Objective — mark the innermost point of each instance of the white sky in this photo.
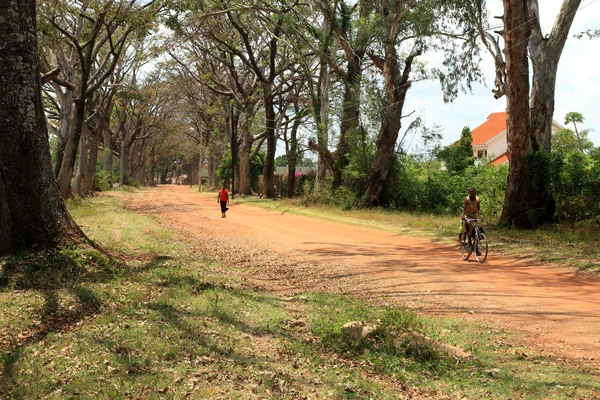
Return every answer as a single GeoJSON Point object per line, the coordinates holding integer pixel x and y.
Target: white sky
{"type": "Point", "coordinates": [577, 84]}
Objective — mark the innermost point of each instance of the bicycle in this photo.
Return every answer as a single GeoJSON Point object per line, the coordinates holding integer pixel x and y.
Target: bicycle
{"type": "Point", "coordinates": [476, 242]}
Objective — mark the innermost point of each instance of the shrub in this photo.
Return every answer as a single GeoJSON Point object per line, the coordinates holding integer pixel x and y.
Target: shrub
{"type": "Point", "coordinates": [102, 181]}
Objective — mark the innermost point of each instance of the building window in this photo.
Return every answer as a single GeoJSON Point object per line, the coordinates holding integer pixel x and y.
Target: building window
{"type": "Point", "coordinates": [481, 153]}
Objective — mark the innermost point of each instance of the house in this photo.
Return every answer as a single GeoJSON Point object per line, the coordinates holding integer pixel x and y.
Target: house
{"type": "Point", "coordinates": [489, 138]}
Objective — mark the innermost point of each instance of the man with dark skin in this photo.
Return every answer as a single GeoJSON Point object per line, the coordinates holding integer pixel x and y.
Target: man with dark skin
{"type": "Point", "coordinates": [223, 198]}
{"type": "Point", "coordinates": [471, 209]}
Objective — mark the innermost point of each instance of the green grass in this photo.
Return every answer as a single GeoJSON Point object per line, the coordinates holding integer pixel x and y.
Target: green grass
{"type": "Point", "coordinates": [575, 246]}
{"type": "Point", "coordinates": [162, 322]}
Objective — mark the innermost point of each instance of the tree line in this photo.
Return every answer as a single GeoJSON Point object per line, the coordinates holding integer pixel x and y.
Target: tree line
{"type": "Point", "coordinates": [132, 91]}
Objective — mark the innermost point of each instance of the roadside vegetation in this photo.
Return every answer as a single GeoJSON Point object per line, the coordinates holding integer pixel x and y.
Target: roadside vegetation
{"type": "Point", "coordinates": [574, 245]}
{"type": "Point", "coordinates": [157, 319]}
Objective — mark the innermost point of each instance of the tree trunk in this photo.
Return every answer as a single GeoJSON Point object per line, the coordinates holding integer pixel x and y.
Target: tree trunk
{"type": "Point", "coordinates": [66, 119]}
{"type": "Point", "coordinates": [246, 148]}
{"type": "Point", "coordinates": [108, 144]}
{"type": "Point", "coordinates": [528, 201]}
{"type": "Point", "coordinates": [32, 214]}
{"type": "Point", "coordinates": [396, 87]}
{"type": "Point", "coordinates": [519, 192]}
{"type": "Point", "coordinates": [323, 122]}
{"type": "Point", "coordinates": [72, 146]}
{"type": "Point", "coordinates": [268, 169]}
{"type": "Point", "coordinates": [152, 169]}
{"type": "Point", "coordinates": [91, 171]}
{"type": "Point", "coordinates": [124, 161]}
{"type": "Point", "coordinates": [292, 155]}
{"type": "Point", "coordinates": [200, 163]}
{"type": "Point", "coordinates": [82, 165]}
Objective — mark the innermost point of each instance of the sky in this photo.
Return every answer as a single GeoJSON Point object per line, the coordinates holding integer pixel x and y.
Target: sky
{"type": "Point", "coordinates": [577, 83]}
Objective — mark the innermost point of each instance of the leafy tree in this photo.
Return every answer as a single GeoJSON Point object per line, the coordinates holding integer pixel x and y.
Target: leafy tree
{"type": "Point", "coordinates": [527, 76]}
{"type": "Point", "coordinates": [566, 143]}
{"type": "Point", "coordinates": [281, 161]}
{"type": "Point", "coordinates": [458, 156]}
{"type": "Point", "coordinates": [256, 165]}
{"type": "Point", "coordinates": [576, 118]}
{"type": "Point", "coordinates": [32, 214]}
{"type": "Point", "coordinates": [404, 31]}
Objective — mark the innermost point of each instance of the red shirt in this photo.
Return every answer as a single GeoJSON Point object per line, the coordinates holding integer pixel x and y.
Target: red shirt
{"type": "Point", "coordinates": [223, 195]}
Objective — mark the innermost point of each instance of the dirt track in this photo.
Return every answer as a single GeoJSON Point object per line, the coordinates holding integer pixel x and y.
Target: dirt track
{"type": "Point", "coordinates": [554, 310]}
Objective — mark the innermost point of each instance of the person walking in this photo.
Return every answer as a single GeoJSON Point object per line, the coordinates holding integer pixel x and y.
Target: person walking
{"type": "Point", "coordinates": [223, 198]}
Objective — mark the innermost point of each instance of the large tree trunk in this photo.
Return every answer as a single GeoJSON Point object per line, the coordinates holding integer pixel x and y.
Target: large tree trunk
{"type": "Point", "coordinates": [66, 119]}
{"type": "Point", "coordinates": [72, 146]}
{"type": "Point", "coordinates": [152, 169]}
{"type": "Point", "coordinates": [245, 150]}
{"type": "Point", "coordinates": [108, 143]}
{"type": "Point", "coordinates": [82, 165]}
{"type": "Point", "coordinates": [32, 214]}
{"type": "Point", "coordinates": [268, 169]}
{"type": "Point", "coordinates": [323, 122]}
{"type": "Point", "coordinates": [520, 195]}
{"type": "Point", "coordinates": [293, 158]}
{"type": "Point", "coordinates": [91, 171]}
{"type": "Point", "coordinates": [528, 201]}
{"type": "Point", "coordinates": [124, 161]}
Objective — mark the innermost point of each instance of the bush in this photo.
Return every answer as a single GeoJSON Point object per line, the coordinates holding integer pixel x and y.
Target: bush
{"type": "Point", "coordinates": [102, 181]}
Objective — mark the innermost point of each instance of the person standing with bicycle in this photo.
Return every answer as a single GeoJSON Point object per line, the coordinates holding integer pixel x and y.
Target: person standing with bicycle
{"type": "Point", "coordinates": [471, 209]}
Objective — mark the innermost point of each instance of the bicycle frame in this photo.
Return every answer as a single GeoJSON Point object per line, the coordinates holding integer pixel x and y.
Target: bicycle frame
{"type": "Point", "coordinates": [476, 242]}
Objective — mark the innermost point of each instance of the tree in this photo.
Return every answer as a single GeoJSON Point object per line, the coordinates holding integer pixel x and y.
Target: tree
{"type": "Point", "coordinates": [281, 161]}
{"type": "Point", "coordinates": [458, 156]}
{"type": "Point", "coordinates": [530, 107]}
{"type": "Point", "coordinates": [32, 214]}
{"type": "Point", "coordinates": [405, 31]}
{"type": "Point", "coordinates": [97, 34]}
{"type": "Point", "coordinates": [576, 118]}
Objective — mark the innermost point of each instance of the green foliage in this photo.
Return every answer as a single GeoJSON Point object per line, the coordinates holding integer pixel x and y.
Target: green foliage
{"type": "Point", "coordinates": [458, 156]}
{"type": "Point", "coordinates": [102, 181]}
{"type": "Point", "coordinates": [281, 161]}
{"type": "Point", "coordinates": [224, 169]}
{"type": "Point", "coordinates": [575, 181]}
{"type": "Point", "coordinates": [256, 165]}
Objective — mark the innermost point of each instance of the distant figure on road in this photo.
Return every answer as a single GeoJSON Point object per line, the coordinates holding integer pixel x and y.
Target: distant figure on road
{"type": "Point", "coordinates": [223, 198]}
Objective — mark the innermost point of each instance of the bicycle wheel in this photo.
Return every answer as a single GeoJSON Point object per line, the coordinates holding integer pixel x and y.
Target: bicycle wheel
{"type": "Point", "coordinates": [482, 248]}
{"type": "Point", "coordinates": [465, 249]}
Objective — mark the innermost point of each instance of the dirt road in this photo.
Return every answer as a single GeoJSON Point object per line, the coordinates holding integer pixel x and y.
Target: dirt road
{"type": "Point", "coordinates": [553, 310]}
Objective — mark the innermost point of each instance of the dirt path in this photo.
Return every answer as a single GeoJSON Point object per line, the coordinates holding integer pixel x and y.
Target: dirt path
{"type": "Point", "coordinates": [554, 310]}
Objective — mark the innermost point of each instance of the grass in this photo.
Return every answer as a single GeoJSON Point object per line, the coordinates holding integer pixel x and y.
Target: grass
{"type": "Point", "coordinates": [162, 322]}
{"type": "Point", "coordinates": [574, 246]}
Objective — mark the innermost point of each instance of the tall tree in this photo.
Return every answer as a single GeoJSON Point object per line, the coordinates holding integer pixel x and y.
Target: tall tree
{"type": "Point", "coordinates": [99, 38]}
{"type": "Point", "coordinates": [458, 156]}
{"type": "Point", "coordinates": [418, 26]}
{"type": "Point", "coordinates": [32, 214]}
{"type": "Point", "coordinates": [575, 118]}
{"type": "Point", "coordinates": [530, 56]}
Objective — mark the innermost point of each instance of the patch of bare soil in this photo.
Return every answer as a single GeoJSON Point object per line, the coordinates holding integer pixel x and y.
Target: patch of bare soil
{"type": "Point", "coordinates": [554, 311]}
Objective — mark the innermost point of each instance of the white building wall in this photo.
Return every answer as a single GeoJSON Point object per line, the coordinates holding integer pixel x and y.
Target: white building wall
{"type": "Point", "coordinates": [497, 145]}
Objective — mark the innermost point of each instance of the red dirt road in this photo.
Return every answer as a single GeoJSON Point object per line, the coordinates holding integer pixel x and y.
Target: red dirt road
{"type": "Point", "coordinates": [554, 310]}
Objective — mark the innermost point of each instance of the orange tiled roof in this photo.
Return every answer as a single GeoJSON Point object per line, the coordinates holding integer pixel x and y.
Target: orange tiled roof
{"type": "Point", "coordinates": [501, 159]}
{"type": "Point", "coordinates": [495, 124]}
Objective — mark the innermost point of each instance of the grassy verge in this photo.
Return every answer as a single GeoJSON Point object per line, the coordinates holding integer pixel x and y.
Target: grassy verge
{"type": "Point", "coordinates": [574, 246]}
{"type": "Point", "coordinates": [161, 322]}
